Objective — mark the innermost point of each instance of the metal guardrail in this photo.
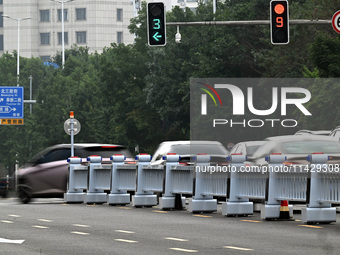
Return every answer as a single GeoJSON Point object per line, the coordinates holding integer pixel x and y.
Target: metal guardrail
{"type": "Point", "coordinates": [127, 175]}
{"type": "Point", "coordinates": [178, 181]}
{"type": "Point", "coordinates": [183, 179]}
{"type": "Point", "coordinates": [252, 185]}
{"type": "Point", "coordinates": [242, 186]}
{"type": "Point", "coordinates": [80, 177]}
{"type": "Point", "coordinates": [154, 177]}
{"type": "Point", "coordinates": [292, 185]}
{"type": "Point", "coordinates": [123, 178]}
{"type": "Point", "coordinates": [146, 175]}
{"type": "Point", "coordinates": [99, 180]}
{"type": "Point", "coordinates": [77, 181]}
{"type": "Point", "coordinates": [103, 177]}
{"type": "Point", "coordinates": [216, 184]}
{"type": "Point", "coordinates": [321, 190]}
{"type": "Point", "coordinates": [317, 184]}
{"type": "Point", "coordinates": [203, 200]}
{"type": "Point", "coordinates": [330, 181]}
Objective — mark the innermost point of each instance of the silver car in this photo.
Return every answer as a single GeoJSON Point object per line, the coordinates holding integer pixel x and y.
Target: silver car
{"type": "Point", "coordinates": [188, 149]}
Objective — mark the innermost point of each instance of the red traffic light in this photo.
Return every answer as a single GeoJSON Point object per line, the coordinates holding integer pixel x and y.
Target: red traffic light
{"type": "Point", "coordinates": [279, 8]}
{"type": "Point", "coordinates": [279, 21]}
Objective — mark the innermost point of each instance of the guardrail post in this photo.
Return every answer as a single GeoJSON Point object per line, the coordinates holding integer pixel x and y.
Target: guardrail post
{"type": "Point", "coordinates": [77, 181]}
{"type": "Point", "coordinates": [202, 202]}
{"type": "Point", "coordinates": [117, 196]}
{"type": "Point", "coordinates": [142, 197]}
{"type": "Point", "coordinates": [99, 180]}
{"type": "Point", "coordinates": [167, 201]}
{"type": "Point", "coordinates": [317, 210]}
{"type": "Point", "coordinates": [271, 209]}
{"type": "Point", "coordinates": [236, 205]}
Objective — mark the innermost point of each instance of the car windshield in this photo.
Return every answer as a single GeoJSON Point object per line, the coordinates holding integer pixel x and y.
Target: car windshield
{"type": "Point", "coordinates": [103, 151]}
{"type": "Point", "coordinates": [193, 149]}
{"type": "Point", "coordinates": [37, 157]}
{"type": "Point", "coordinates": [252, 149]}
{"type": "Point", "coordinates": [306, 147]}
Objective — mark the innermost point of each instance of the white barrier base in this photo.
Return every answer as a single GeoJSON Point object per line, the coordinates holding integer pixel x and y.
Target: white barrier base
{"type": "Point", "coordinates": [237, 208]}
{"type": "Point", "coordinates": [118, 199]}
{"type": "Point", "coordinates": [169, 202]}
{"type": "Point", "coordinates": [74, 197]}
{"type": "Point", "coordinates": [313, 215]}
{"type": "Point", "coordinates": [202, 205]}
{"type": "Point", "coordinates": [257, 207]}
{"type": "Point", "coordinates": [144, 200]}
{"type": "Point", "coordinates": [96, 198]}
{"type": "Point", "coordinates": [272, 212]}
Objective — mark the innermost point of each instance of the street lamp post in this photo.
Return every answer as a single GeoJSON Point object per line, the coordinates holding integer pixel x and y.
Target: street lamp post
{"type": "Point", "coordinates": [18, 53]}
{"type": "Point", "coordinates": [62, 28]}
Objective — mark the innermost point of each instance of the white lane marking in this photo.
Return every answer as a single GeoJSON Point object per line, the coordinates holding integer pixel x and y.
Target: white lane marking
{"type": "Point", "coordinates": [237, 248]}
{"type": "Point", "coordinates": [44, 220]}
{"type": "Point", "coordinates": [7, 221]}
{"type": "Point", "coordinates": [81, 226]}
{"type": "Point", "coordinates": [14, 215]}
{"type": "Point", "coordinates": [184, 250]}
{"type": "Point", "coordinates": [176, 239]}
{"type": "Point", "coordinates": [126, 241]}
{"type": "Point", "coordinates": [41, 227]}
{"type": "Point", "coordinates": [125, 231]}
{"type": "Point", "coordinates": [79, 233]}
{"type": "Point", "coordinates": [3, 240]}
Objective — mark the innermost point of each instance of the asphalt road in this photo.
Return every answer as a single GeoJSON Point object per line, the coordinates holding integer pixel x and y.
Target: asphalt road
{"type": "Point", "coordinates": [48, 226]}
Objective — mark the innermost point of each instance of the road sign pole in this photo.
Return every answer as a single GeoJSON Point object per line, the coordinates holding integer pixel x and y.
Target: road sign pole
{"type": "Point", "coordinates": [31, 78]}
{"type": "Point", "coordinates": [72, 127]}
{"type": "Point", "coordinates": [72, 135]}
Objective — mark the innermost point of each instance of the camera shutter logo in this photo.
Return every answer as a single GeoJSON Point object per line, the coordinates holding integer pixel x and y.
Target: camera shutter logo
{"type": "Point", "coordinates": [204, 97]}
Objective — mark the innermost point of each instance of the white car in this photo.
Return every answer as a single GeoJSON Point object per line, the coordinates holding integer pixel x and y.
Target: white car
{"type": "Point", "coordinates": [188, 149]}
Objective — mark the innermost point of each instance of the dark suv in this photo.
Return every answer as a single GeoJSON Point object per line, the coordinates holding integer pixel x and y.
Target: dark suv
{"type": "Point", "coordinates": [45, 175]}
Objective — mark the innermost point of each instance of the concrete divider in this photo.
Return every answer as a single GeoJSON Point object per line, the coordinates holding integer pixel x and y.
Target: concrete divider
{"type": "Point", "coordinates": [275, 192]}
{"type": "Point", "coordinates": [323, 189]}
{"type": "Point", "coordinates": [242, 186]}
{"type": "Point", "coordinates": [99, 180]}
{"type": "Point", "coordinates": [123, 180]}
{"type": "Point", "coordinates": [203, 200]}
{"type": "Point", "coordinates": [77, 181]}
{"type": "Point", "coordinates": [149, 179]}
{"type": "Point", "coordinates": [178, 180]}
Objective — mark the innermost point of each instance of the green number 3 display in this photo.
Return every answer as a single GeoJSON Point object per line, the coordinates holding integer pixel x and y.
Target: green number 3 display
{"type": "Point", "coordinates": [157, 24]}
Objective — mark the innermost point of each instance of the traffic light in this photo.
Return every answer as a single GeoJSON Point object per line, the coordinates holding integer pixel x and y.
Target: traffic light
{"type": "Point", "coordinates": [279, 22]}
{"type": "Point", "coordinates": [156, 24]}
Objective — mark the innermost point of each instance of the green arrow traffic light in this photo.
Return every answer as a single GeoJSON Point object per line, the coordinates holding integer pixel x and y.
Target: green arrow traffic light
{"type": "Point", "coordinates": [156, 24]}
{"type": "Point", "coordinates": [157, 37]}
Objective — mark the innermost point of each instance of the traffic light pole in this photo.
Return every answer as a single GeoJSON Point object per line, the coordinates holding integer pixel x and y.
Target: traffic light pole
{"type": "Point", "coordinates": [247, 22]}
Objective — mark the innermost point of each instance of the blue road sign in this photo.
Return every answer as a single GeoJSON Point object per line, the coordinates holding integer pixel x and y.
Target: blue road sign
{"type": "Point", "coordinates": [11, 102]}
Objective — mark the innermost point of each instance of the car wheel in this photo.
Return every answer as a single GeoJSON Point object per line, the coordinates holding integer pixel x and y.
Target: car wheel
{"type": "Point", "coordinates": [24, 193]}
